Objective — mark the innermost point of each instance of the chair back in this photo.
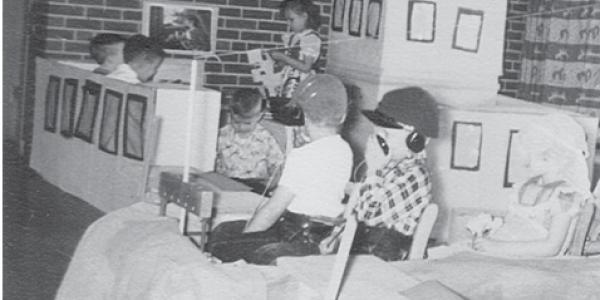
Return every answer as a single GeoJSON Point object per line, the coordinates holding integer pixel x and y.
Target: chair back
{"type": "Point", "coordinates": [422, 232]}
{"type": "Point", "coordinates": [581, 226]}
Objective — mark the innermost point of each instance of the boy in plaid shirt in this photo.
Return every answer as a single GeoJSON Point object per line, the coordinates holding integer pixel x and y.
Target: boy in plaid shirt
{"type": "Point", "coordinates": [397, 186]}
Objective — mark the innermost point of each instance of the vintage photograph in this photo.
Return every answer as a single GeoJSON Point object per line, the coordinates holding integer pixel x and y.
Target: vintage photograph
{"type": "Point", "coordinates": [301, 149]}
{"type": "Point", "coordinates": [180, 28]}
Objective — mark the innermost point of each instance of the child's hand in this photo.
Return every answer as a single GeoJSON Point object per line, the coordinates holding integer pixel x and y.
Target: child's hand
{"type": "Point", "coordinates": [482, 244]}
{"type": "Point", "coordinates": [278, 56]}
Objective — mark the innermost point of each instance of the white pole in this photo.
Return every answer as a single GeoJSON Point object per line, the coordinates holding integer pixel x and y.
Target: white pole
{"type": "Point", "coordinates": [190, 116]}
{"type": "Point", "coordinates": [188, 137]}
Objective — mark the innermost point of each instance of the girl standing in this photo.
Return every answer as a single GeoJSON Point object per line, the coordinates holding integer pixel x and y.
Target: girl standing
{"type": "Point", "coordinates": [303, 48]}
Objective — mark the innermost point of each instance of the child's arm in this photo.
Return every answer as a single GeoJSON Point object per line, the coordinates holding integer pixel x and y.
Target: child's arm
{"type": "Point", "coordinates": [550, 246]}
{"type": "Point", "coordinates": [302, 65]}
{"type": "Point", "coordinates": [267, 214]}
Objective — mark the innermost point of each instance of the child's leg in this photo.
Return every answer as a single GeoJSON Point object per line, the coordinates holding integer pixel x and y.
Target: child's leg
{"type": "Point", "coordinates": [228, 242]}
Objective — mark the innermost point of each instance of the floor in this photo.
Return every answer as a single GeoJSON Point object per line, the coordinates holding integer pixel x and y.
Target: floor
{"type": "Point", "coordinates": [42, 226]}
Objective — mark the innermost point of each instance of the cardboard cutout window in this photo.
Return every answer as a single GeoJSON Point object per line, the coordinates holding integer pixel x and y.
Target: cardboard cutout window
{"type": "Point", "coordinates": [133, 138]}
{"type": "Point", "coordinates": [339, 8]}
{"type": "Point", "coordinates": [466, 146]}
{"type": "Point", "coordinates": [109, 126]}
{"type": "Point", "coordinates": [421, 21]}
{"type": "Point", "coordinates": [52, 91]}
{"type": "Point", "coordinates": [509, 169]}
{"type": "Point", "coordinates": [68, 106]}
{"type": "Point", "coordinates": [355, 20]}
{"type": "Point", "coordinates": [467, 31]}
{"type": "Point", "coordinates": [87, 113]}
{"type": "Point", "coordinates": [374, 18]}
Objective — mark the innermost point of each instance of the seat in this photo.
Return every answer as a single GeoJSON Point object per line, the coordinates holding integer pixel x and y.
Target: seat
{"type": "Point", "coordinates": [582, 229]}
{"type": "Point", "coordinates": [423, 232]}
{"type": "Point", "coordinates": [194, 198]}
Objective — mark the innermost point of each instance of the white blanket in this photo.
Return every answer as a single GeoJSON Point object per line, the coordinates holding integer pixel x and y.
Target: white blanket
{"type": "Point", "coordinates": [483, 277]}
{"type": "Point", "coordinates": [133, 254]}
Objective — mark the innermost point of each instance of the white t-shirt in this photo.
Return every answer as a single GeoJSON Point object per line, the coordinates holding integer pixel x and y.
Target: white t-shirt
{"type": "Point", "coordinates": [317, 173]}
{"type": "Point", "coordinates": [126, 73]}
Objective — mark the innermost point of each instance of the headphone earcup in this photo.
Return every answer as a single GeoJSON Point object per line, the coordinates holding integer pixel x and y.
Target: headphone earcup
{"type": "Point", "coordinates": [415, 142]}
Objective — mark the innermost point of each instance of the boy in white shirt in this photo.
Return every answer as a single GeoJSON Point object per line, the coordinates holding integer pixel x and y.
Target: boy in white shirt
{"type": "Point", "coordinates": [310, 192]}
{"type": "Point", "coordinates": [143, 56]}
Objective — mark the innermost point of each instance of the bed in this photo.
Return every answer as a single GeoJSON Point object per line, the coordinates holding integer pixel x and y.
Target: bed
{"type": "Point", "coordinates": [132, 253]}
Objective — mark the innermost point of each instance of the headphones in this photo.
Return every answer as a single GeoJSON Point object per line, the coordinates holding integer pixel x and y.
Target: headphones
{"type": "Point", "coordinates": [415, 142]}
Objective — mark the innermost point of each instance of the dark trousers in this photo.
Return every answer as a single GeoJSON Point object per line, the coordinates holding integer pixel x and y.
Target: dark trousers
{"type": "Point", "coordinates": [292, 235]}
{"type": "Point", "coordinates": [385, 243]}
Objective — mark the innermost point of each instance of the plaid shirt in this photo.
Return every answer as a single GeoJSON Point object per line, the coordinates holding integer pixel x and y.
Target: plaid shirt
{"type": "Point", "coordinates": [395, 196]}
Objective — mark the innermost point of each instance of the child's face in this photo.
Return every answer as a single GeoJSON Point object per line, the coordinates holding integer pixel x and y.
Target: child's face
{"type": "Point", "coordinates": [296, 20]}
{"type": "Point", "coordinates": [244, 125]}
{"type": "Point", "coordinates": [146, 71]}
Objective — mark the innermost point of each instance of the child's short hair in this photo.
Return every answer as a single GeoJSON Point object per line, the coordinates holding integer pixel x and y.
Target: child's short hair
{"type": "Point", "coordinates": [244, 101]}
{"type": "Point", "coordinates": [99, 49]}
{"type": "Point", "coordinates": [142, 47]}
{"type": "Point", "coordinates": [304, 6]}
{"type": "Point", "coordinates": [323, 99]}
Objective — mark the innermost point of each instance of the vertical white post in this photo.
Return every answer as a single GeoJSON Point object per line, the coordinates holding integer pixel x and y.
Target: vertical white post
{"type": "Point", "coordinates": [343, 254]}
{"type": "Point", "coordinates": [188, 137]}
{"type": "Point", "coordinates": [190, 115]}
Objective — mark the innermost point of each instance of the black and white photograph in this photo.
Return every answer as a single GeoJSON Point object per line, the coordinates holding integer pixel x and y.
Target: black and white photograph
{"type": "Point", "coordinates": [301, 149]}
{"type": "Point", "coordinates": [181, 27]}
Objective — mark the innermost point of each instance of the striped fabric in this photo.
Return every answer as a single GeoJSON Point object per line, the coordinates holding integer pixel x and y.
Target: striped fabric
{"type": "Point", "coordinates": [561, 53]}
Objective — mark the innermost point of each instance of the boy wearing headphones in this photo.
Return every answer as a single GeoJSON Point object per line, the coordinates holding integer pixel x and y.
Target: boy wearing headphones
{"type": "Point", "coordinates": [245, 149]}
{"type": "Point", "coordinates": [309, 195]}
{"type": "Point", "coordinates": [397, 186]}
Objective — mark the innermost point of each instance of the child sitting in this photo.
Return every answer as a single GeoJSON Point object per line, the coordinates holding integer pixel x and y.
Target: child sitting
{"type": "Point", "coordinates": [245, 149]}
{"type": "Point", "coordinates": [107, 50]}
{"type": "Point", "coordinates": [290, 223]}
{"type": "Point", "coordinates": [540, 217]}
{"type": "Point", "coordinates": [143, 56]}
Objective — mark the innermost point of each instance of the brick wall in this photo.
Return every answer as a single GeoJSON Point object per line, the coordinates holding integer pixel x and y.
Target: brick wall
{"type": "Point", "coordinates": [64, 28]}
{"type": "Point", "coordinates": [513, 44]}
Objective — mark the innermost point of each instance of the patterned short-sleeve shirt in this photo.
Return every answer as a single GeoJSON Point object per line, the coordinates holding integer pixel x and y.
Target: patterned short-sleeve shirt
{"type": "Point", "coordinates": [255, 156]}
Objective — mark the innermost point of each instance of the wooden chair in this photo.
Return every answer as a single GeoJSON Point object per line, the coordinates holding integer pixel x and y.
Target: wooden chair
{"type": "Point", "coordinates": [581, 238]}
{"type": "Point", "coordinates": [423, 232]}
{"type": "Point", "coordinates": [192, 197]}
{"type": "Point", "coordinates": [417, 250]}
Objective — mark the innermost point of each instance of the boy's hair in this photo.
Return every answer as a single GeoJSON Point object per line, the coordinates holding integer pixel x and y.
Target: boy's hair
{"type": "Point", "coordinates": [304, 6]}
{"type": "Point", "coordinates": [323, 99]}
{"type": "Point", "coordinates": [98, 45]}
{"type": "Point", "coordinates": [142, 47]}
{"type": "Point", "coordinates": [246, 100]}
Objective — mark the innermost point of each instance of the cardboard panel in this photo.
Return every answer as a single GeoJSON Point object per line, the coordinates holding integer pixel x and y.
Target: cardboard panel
{"type": "Point", "coordinates": [107, 168]}
{"type": "Point", "coordinates": [105, 180]}
{"type": "Point", "coordinates": [485, 187]}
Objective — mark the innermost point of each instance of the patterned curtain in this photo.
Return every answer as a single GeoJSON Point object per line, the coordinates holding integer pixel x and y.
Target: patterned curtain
{"type": "Point", "coordinates": [561, 53]}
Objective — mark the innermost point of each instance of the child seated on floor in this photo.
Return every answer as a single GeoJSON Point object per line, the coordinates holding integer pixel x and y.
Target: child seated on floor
{"type": "Point", "coordinates": [107, 50]}
{"type": "Point", "coordinates": [541, 215]}
{"type": "Point", "coordinates": [142, 56]}
{"type": "Point", "coordinates": [245, 149]}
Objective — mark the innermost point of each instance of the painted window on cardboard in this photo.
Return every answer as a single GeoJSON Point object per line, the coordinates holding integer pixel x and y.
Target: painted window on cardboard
{"type": "Point", "coordinates": [109, 126]}
{"type": "Point", "coordinates": [135, 117]}
{"type": "Point", "coordinates": [68, 107]}
{"type": "Point", "coordinates": [51, 108]}
{"type": "Point", "coordinates": [374, 18]}
{"type": "Point", "coordinates": [88, 110]}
